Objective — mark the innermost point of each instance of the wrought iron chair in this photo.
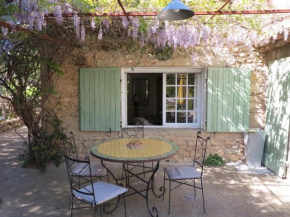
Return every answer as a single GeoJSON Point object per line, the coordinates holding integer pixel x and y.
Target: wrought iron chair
{"type": "Point", "coordinates": [92, 193]}
{"type": "Point", "coordinates": [70, 149]}
{"type": "Point", "coordinates": [183, 174]}
{"type": "Point", "coordinates": [135, 132]}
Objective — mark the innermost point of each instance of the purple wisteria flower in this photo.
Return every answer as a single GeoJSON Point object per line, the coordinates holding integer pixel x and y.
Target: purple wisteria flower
{"type": "Point", "coordinates": [4, 31]}
{"type": "Point", "coordinates": [40, 21]}
{"type": "Point", "coordinates": [286, 34]}
{"type": "Point", "coordinates": [193, 58]}
{"type": "Point", "coordinates": [93, 23]}
{"type": "Point", "coordinates": [135, 25]}
{"type": "Point", "coordinates": [106, 22]}
{"type": "Point", "coordinates": [58, 14]}
{"type": "Point", "coordinates": [77, 25]}
{"type": "Point", "coordinates": [125, 22]}
{"type": "Point", "coordinates": [100, 35]}
{"type": "Point", "coordinates": [83, 33]}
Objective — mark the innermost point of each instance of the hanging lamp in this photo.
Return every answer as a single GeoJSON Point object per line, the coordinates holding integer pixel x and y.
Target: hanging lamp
{"type": "Point", "coordinates": [175, 10]}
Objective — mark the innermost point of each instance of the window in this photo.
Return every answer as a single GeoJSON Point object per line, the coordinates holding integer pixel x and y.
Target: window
{"type": "Point", "coordinates": [173, 97]}
{"type": "Point", "coordinates": [181, 98]}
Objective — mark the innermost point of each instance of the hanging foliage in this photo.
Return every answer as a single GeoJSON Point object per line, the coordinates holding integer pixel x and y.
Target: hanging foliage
{"type": "Point", "coordinates": [221, 30]}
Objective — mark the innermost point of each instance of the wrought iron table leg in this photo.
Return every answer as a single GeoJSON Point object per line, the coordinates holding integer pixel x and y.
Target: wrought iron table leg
{"type": "Point", "coordinates": [154, 212]}
{"type": "Point", "coordinates": [162, 188]}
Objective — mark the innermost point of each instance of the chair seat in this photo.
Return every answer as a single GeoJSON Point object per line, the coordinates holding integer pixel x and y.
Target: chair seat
{"type": "Point", "coordinates": [83, 170]}
{"type": "Point", "coordinates": [103, 192]}
{"type": "Point", "coordinates": [182, 172]}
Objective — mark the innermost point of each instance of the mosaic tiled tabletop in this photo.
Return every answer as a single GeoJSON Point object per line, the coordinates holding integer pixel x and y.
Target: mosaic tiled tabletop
{"type": "Point", "coordinates": [128, 150]}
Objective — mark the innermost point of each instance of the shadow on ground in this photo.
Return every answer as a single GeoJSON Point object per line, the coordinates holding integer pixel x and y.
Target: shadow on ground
{"type": "Point", "coordinates": [27, 192]}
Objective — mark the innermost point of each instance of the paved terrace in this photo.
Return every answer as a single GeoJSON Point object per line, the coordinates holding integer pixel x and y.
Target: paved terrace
{"type": "Point", "coordinates": [29, 193]}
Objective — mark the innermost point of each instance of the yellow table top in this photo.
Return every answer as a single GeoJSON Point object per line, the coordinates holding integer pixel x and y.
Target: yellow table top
{"type": "Point", "coordinates": [129, 150]}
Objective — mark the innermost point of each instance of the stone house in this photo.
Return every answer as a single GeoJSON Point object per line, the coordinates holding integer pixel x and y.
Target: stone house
{"type": "Point", "coordinates": [222, 93]}
{"type": "Point", "coordinates": [277, 124]}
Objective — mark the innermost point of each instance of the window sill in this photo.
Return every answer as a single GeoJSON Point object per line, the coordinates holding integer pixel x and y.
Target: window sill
{"type": "Point", "coordinates": [166, 127]}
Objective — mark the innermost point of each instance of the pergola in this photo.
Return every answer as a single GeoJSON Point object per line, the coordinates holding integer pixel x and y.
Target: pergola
{"type": "Point", "coordinates": [128, 14]}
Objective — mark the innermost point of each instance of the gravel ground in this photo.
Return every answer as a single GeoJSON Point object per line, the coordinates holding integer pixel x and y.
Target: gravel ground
{"type": "Point", "coordinates": [27, 192]}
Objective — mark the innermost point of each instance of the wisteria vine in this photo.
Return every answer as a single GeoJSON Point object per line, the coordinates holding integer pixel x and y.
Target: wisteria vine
{"type": "Point", "coordinates": [182, 34]}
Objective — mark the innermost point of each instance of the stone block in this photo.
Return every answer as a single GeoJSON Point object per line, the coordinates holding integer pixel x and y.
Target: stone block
{"type": "Point", "coordinates": [88, 143]}
{"type": "Point", "coordinates": [231, 151]}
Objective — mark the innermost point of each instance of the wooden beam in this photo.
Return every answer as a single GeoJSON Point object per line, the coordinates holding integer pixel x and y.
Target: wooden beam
{"type": "Point", "coordinates": [123, 9]}
{"type": "Point", "coordinates": [18, 28]}
{"type": "Point", "coordinates": [218, 10]}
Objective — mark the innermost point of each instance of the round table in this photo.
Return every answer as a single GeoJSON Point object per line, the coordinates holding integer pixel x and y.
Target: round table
{"type": "Point", "coordinates": [136, 150]}
{"type": "Point", "coordinates": [130, 150]}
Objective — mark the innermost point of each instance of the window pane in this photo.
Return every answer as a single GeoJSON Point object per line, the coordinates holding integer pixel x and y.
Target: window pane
{"type": "Point", "coordinates": [192, 117]}
{"type": "Point", "coordinates": [170, 104]}
{"type": "Point", "coordinates": [181, 92]}
{"type": "Point", "coordinates": [191, 92]}
{"type": "Point", "coordinates": [170, 117]}
{"type": "Point", "coordinates": [181, 104]}
{"type": "Point", "coordinates": [170, 91]}
{"type": "Point", "coordinates": [181, 79]}
{"type": "Point", "coordinates": [181, 117]}
{"type": "Point", "coordinates": [170, 79]}
{"type": "Point", "coordinates": [192, 79]}
{"type": "Point", "coordinates": [192, 104]}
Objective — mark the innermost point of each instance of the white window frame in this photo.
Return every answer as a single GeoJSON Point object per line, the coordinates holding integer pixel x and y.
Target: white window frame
{"type": "Point", "coordinates": [165, 70]}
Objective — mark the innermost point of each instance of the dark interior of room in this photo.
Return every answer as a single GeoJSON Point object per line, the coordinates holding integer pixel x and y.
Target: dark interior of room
{"type": "Point", "coordinates": [144, 98]}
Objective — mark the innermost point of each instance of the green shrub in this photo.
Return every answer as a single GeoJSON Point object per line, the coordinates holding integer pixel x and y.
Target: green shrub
{"type": "Point", "coordinates": [214, 160]}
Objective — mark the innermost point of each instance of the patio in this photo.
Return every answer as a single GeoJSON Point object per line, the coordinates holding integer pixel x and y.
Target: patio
{"type": "Point", "coordinates": [27, 192]}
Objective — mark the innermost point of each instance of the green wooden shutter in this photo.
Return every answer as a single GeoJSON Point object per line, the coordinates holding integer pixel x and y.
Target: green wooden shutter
{"type": "Point", "coordinates": [278, 116]}
{"type": "Point", "coordinates": [100, 99]}
{"type": "Point", "coordinates": [228, 99]}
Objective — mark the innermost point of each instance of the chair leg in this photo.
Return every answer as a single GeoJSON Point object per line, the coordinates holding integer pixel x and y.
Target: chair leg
{"type": "Point", "coordinates": [101, 213]}
{"type": "Point", "coordinates": [123, 171]}
{"type": "Point", "coordinates": [164, 184]}
{"type": "Point", "coordinates": [108, 177]}
{"type": "Point", "coordinates": [144, 169]}
{"type": "Point", "coordinates": [194, 188]}
{"type": "Point", "coordinates": [201, 180]}
{"type": "Point", "coordinates": [169, 197]}
{"type": "Point", "coordinates": [72, 206]}
{"type": "Point", "coordinates": [125, 205]}
{"type": "Point", "coordinates": [96, 211]}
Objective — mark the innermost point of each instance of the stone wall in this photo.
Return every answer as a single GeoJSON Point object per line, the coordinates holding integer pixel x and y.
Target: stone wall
{"type": "Point", "coordinates": [278, 53]}
{"type": "Point", "coordinates": [228, 145]}
{"type": "Point", "coordinates": [10, 124]}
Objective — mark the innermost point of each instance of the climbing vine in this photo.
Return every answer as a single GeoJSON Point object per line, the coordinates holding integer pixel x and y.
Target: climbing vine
{"type": "Point", "coordinates": [27, 66]}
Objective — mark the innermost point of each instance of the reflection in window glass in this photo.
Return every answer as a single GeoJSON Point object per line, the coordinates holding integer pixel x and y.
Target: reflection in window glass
{"type": "Point", "coordinates": [192, 104]}
{"type": "Point", "coordinates": [170, 117]}
{"type": "Point", "coordinates": [181, 98]}
{"type": "Point", "coordinates": [181, 79]}
{"type": "Point", "coordinates": [181, 104]}
{"type": "Point", "coordinates": [170, 104]}
{"type": "Point", "coordinates": [192, 92]}
{"type": "Point", "coordinates": [170, 91]}
{"type": "Point", "coordinates": [181, 117]}
{"type": "Point", "coordinates": [192, 117]}
{"type": "Point", "coordinates": [170, 79]}
{"type": "Point", "coordinates": [191, 79]}
{"type": "Point", "coordinates": [181, 90]}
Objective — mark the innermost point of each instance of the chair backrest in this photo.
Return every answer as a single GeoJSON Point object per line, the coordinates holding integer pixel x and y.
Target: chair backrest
{"type": "Point", "coordinates": [69, 146]}
{"type": "Point", "coordinates": [133, 132]}
{"type": "Point", "coordinates": [199, 157]}
{"type": "Point", "coordinates": [80, 184]}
